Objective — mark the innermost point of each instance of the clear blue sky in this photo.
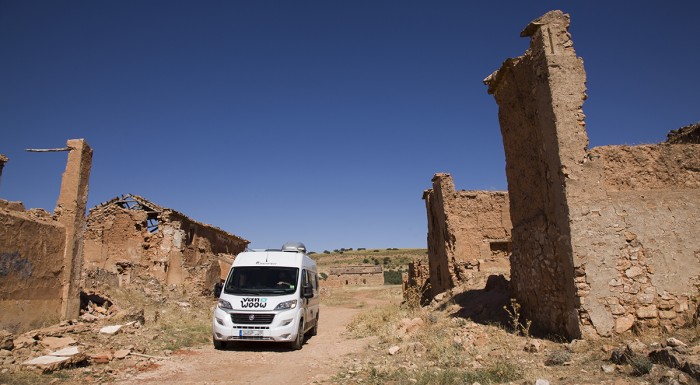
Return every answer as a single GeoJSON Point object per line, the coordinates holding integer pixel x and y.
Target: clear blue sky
{"type": "Point", "coordinates": [316, 121]}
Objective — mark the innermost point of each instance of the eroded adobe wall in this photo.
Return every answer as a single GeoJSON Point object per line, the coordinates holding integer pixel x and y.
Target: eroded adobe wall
{"type": "Point", "coordinates": [181, 251]}
{"type": "Point", "coordinates": [31, 265]}
{"type": "Point", "coordinates": [366, 279]}
{"type": "Point", "coordinates": [602, 239]}
{"type": "Point", "coordinates": [540, 95]}
{"type": "Point", "coordinates": [635, 236]}
{"type": "Point", "coordinates": [468, 231]}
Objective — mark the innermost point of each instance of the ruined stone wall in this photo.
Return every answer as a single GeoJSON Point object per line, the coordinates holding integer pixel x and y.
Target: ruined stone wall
{"type": "Point", "coordinates": [416, 282]}
{"type": "Point", "coordinates": [635, 236]}
{"type": "Point", "coordinates": [31, 264]}
{"type": "Point", "coordinates": [602, 239]}
{"type": "Point", "coordinates": [181, 251]}
{"type": "Point", "coordinates": [41, 255]}
{"type": "Point", "coordinates": [468, 231]}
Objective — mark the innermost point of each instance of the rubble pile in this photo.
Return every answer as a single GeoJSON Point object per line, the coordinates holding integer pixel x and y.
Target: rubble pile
{"type": "Point", "coordinates": [119, 332]}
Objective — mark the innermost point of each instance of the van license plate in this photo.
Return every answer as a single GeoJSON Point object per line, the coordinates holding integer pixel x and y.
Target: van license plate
{"type": "Point", "coordinates": [251, 333]}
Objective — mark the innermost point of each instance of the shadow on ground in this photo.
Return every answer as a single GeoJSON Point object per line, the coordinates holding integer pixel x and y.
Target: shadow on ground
{"type": "Point", "coordinates": [484, 306]}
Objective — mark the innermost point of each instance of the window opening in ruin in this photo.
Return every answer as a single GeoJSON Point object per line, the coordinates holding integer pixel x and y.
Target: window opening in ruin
{"type": "Point", "coordinates": [346, 281]}
{"type": "Point", "coordinates": [152, 224]}
{"type": "Point", "coordinates": [364, 281]}
{"type": "Point", "coordinates": [500, 248]}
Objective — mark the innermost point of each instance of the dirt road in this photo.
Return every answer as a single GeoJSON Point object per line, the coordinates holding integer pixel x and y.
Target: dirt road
{"type": "Point", "coordinates": [253, 363]}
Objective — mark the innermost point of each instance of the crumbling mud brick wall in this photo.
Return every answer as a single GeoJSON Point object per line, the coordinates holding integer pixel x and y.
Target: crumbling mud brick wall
{"type": "Point", "coordinates": [40, 257]}
{"type": "Point", "coordinates": [416, 282]}
{"type": "Point", "coordinates": [130, 234]}
{"type": "Point", "coordinates": [685, 135]}
{"type": "Point", "coordinates": [605, 238]}
{"type": "Point", "coordinates": [3, 160]}
{"type": "Point", "coordinates": [468, 231]}
{"type": "Point", "coordinates": [355, 275]}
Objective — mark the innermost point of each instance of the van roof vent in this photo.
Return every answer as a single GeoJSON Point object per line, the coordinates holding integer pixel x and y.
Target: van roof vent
{"type": "Point", "coordinates": [296, 247]}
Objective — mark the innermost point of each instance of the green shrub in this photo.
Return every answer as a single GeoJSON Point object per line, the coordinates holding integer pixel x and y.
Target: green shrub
{"type": "Point", "coordinates": [392, 277]}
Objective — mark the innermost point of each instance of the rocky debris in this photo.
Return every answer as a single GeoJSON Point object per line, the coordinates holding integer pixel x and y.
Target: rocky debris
{"type": "Point", "coordinates": [61, 359]}
{"type": "Point", "coordinates": [122, 353]}
{"type": "Point", "coordinates": [6, 340]}
{"type": "Point", "coordinates": [533, 346]}
{"type": "Point", "coordinates": [394, 349]}
{"type": "Point", "coordinates": [687, 134]}
{"type": "Point", "coordinates": [675, 355]}
{"type": "Point", "coordinates": [57, 342]}
{"type": "Point", "coordinates": [111, 329]}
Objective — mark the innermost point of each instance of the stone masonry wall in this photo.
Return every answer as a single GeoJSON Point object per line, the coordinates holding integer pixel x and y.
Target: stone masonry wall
{"type": "Point", "coordinates": [468, 231]}
{"type": "Point", "coordinates": [602, 239]}
{"type": "Point", "coordinates": [635, 238]}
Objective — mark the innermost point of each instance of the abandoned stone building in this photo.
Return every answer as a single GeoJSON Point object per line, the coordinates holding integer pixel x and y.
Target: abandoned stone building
{"type": "Point", "coordinates": [41, 254]}
{"type": "Point", "coordinates": [468, 231]}
{"type": "Point", "coordinates": [355, 275]}
{"type": "Point", "coordinates": [130, 234]}
{"type": "Point", "coordinates": [603, 238]}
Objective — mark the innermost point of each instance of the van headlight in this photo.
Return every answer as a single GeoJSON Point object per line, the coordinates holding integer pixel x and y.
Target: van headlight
{"type": "Point", "coordinates": [286, 305]}
{"type": "Point", "coordinates": [223, 304]}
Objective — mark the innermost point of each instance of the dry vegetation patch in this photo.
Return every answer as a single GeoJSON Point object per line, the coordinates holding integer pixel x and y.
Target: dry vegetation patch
{"type": "Point", "coordinates": [435, 345]}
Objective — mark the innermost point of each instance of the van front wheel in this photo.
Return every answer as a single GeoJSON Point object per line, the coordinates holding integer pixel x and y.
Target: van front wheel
{"type": "Point", "coordinates": [219, 345]}
{"type": "Point", "coordinates": [299, 341]}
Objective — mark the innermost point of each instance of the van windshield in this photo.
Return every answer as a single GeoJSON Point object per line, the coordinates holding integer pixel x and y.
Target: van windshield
{"type": "Point", "coordinates": [262, 280]}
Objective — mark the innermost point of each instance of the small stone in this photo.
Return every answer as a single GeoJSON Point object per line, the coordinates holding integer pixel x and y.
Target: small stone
{"type": "Point", "coordinates": [66, 352]}
{"type": "Point", "coordinates": [101, 358]}
{"type": "Point", "coordinates": [609, 369]}
{"type": "Point", "coordinates": [45, 360]}
{"type": "Point", "coordinates": [24, 341]}
{"type": "Point", "coordinates": [533, 346]}
{"type": "Point", "coordinates": [122, 353]}
{"type": "Point", "coordinates": [55, 343]}
{"type": "Point", "coordinates": [183, 304]}
{"type": "Point", "coordinates": [645, 312]}
{"type": "Point", "coordinates": [674, 342]}
{"type": "Point", "coordinates": [110, 330]}
{"type": "Point", "coordinates": [633, 271]}
{"type": "Point", "coordinates": [87, 317]}
{"type": "Point", "coordinates": [541, 381]}
{"type": "Point", "coordinates": [623, 324]}
{"type": "Point", "coordinates": [393, 350]}
{"type": "Point", "coordinates": [6, 340]}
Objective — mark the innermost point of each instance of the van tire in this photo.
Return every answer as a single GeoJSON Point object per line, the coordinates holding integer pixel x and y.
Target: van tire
{"type": "Point", "coordinates": [299, 341]}
{"type": "Point", "coordinates": [219, 345]}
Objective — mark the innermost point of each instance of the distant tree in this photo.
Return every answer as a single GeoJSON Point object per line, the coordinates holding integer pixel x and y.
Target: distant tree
{"type": "Point", "coordinates": [365, 260]}
{"type": "Point", "coordinates": [336, 251]}
{"type": "Point", "coordinates": [376, 262]}
{"type": "Point", "coordinates": [350, 249]}
{"type": "Point", "coordinates": [361, 248]}
{"type": "Point", "coordinates": [323, 276]}
{"type": "Point", "coordinates": [375, 251]}
{"type": "Point", "coordinates": [326, 252]}
{"type": "Point", "coordinates": [387, 260]}
{"type": "Point", "coordinates": [311, 253]}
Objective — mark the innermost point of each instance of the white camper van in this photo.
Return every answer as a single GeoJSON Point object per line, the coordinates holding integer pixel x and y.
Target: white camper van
{"type": "Point", "coordinates": [269, 295]}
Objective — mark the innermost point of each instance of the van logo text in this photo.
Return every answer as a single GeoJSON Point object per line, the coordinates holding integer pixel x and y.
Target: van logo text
{"type": "Point", "coordinates": [254, 303]}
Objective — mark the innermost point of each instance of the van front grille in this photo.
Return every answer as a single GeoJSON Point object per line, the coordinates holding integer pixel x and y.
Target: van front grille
{"type": "Point", "coordinates": [252, 318]}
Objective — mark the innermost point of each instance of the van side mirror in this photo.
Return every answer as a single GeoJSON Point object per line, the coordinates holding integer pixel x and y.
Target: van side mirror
{"type": "Point", "coordinates": [307, 291]}
{"type": "Point", "coordinates": [217, 289]}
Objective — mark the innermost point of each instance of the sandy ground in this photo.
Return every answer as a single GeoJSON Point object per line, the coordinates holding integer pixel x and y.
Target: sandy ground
{"type": "Point", "coordinates": [265, 363]}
